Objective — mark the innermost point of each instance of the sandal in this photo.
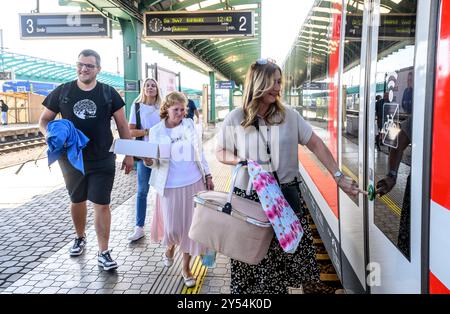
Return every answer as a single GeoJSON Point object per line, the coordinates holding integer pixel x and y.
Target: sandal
{"type": "Point", "coordinates": [189, 281]}
{"type": "Point", "coordinates": [168, 261]}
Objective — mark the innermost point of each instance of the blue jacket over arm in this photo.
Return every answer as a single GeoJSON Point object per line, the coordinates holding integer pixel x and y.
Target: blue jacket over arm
{"type": "Point", "coordinates": [63, 136]}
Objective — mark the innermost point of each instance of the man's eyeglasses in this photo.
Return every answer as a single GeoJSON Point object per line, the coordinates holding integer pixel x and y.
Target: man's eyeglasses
{"type": "Point", "coordinates": [263, 61]}
{"type": "Point", "coordinates": [87, 65]}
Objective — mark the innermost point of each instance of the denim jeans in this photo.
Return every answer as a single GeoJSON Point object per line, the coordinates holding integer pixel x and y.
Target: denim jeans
{"type": "Point", "coordinates": [143, 176]}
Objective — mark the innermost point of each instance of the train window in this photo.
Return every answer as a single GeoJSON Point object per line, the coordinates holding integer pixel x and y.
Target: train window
{"type": "Point", "coordinates": [395, 70]}
{"type": "Point", "coordinates": [350, 88]}
{"type": "Point", "coordinates": [316, 65]}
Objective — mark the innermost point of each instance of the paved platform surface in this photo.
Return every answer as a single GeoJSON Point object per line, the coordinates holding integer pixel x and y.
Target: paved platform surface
{"type": "Point", "coordinates": [36, 232]}
{"type": "Point", "coordinates": [35, 218]}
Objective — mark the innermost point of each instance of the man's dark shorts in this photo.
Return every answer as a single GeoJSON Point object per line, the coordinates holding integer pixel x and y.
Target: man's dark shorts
{"type": "Point", "coordinates": [96, 184]}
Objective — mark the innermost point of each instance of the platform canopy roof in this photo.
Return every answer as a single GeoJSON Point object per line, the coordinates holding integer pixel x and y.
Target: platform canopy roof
{"type": "Point", "coordinates": [309, 55]}
{"type": "Point", "coordinates": [228, 57]}
{"type": "Point", "coordinates": [36, 69]}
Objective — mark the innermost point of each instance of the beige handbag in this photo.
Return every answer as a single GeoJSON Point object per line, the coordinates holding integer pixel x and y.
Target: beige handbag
{"type": "Point", "coordinates": [231, 225]}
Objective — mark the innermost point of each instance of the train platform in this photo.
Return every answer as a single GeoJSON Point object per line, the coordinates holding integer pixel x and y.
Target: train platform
{"type": "Point", "coordinates": [14, 131]}
{"type": "Point", "coordinates": [36, 231]}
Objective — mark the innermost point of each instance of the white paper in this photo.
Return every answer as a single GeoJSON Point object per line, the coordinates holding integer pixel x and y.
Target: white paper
{"type": "Point", "coordinates": [135, 148]}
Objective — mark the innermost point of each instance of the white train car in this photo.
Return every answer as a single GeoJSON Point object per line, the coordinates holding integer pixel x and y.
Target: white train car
{"type": "Point", "coordinates": [399, 242]}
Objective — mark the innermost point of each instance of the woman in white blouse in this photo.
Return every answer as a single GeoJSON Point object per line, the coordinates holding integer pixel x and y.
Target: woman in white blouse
{"type": "Point", "coordinates": [177, 179]}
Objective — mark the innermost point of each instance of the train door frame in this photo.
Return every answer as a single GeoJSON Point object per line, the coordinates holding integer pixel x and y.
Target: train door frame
{"type": "Point", "coordinates": [352, 216]}
{"type": "Point", "coordinates": [397, 274]}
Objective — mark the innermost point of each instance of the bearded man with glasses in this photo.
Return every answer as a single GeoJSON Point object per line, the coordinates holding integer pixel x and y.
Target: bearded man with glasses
{"type": "Point", "coordinates": [90, 105]}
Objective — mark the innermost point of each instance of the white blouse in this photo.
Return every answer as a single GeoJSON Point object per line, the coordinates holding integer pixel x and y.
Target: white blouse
{"type": "Point", "coordinates": [283, 140]}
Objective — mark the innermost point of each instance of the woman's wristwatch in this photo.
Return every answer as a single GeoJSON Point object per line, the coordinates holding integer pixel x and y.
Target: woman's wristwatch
{"type": "Point", "coordinates": [338, 175]}
{"type": "Point", "coordinates": [208, 176]}
{"type": "Point", "coordinates": [146, 131]}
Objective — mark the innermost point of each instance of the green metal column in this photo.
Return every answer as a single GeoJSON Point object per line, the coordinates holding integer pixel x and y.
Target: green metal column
{"type": "Point", "coordinates": [212, 84]}
{"type": "Point", "coordinates": [131, 30]}
{"type": "Point", "coordinates": [230, 100]}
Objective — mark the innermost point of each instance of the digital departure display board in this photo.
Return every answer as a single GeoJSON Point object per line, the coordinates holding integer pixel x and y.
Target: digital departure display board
{"type": "Point", "coordinates": [198, 24]}
{"type": "Point", "coordinates": [392, 26]}
{"type": "Point", "coordinates": [72, 25]}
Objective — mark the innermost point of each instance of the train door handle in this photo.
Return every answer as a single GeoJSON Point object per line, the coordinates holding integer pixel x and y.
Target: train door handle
{"type": "Point", "coordinates": [371, 193]}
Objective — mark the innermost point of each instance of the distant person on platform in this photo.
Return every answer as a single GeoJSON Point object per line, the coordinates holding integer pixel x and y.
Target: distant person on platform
{"type": "Point", "coordinates": [4, 112]}
{"type": "Point", "coordinates": [90, 105]}
{"type": "Point", "coordinates": [407, 98]}
{"type": "Point", "coordinates": [192, 109]}
{"type": "Point", "coordinates": [379, 115]}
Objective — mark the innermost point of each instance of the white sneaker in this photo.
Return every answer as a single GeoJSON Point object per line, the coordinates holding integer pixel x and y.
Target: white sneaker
{"type": "Point", "coordinates": [137, 234]}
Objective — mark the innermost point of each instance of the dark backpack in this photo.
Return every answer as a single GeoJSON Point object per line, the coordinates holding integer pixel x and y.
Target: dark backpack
{"type": "Point", "coordinates": [137, 107]}
{"type": "Point", "coordinates": [106, 90]}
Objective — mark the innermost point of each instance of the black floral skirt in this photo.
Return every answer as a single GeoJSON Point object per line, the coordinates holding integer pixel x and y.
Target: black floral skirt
{"type": "Point", "coordinates": [278, 270]}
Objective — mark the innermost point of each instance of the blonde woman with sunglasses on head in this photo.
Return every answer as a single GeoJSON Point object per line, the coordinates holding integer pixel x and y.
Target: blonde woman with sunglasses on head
{"type": "Point", "coordinates": [269, 132]}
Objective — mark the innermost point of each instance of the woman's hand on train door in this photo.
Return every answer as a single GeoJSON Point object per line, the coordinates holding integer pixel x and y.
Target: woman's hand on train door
{"type": "Point", "coordinates": [349, 186]}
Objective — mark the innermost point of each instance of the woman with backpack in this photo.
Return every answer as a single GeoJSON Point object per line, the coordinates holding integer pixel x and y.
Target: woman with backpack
{"type": "Point", "coordinates": [144, 114]}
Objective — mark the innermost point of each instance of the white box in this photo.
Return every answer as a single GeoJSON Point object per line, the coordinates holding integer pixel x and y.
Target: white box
{"type": "Point", "coordinates": [164, 151]}
{"type": "Point", "coordinates": [139, 149]}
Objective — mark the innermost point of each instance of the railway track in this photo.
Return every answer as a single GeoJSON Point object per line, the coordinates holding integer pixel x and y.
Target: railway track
{"type": "Point", "coordinates": [329, 281]}
{"type": "Point", "coordinates": [21, 144]}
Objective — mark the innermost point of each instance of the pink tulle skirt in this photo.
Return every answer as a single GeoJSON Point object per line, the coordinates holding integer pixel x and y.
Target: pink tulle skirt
{"type": "Point", "coordinates": [157, 226]}
{"type": "Point", "coordinates": [172, 218]}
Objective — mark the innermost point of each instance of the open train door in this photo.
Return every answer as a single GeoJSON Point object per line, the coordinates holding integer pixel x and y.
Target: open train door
{"type": "Point", "coordinates": [397, 60]}
{"type": "Point", "coordinates": [352, 213]}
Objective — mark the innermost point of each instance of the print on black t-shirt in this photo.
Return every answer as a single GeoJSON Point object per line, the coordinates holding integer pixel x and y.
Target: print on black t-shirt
{"type": "Point", "coordinates": [85, 109]}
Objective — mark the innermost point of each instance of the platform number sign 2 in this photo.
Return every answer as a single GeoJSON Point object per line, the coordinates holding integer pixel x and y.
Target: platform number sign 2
{"type": "Point", "coordinates": [198, 24]}
{"type": "Point", "coordinates": [243, 21]}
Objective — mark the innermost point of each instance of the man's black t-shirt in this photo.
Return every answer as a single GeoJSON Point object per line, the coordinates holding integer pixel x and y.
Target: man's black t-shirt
{"type": "Point", "coordinates": [89, 113]}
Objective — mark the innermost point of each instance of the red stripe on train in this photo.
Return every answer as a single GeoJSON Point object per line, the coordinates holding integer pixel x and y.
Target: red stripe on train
{"type": "Point", "coordinates": [333, 69]}
{"type": "Point", "coordinates": [321, 178]}
{"type": "Point", "coordinates": [436, 286]}
{"type": "Point", "coordinates": [440, 171]}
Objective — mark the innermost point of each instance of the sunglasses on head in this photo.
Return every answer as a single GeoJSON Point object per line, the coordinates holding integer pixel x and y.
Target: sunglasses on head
{"type": "Point", "coordinates": [87, 65]}
{"type": "Point", "coordinates": [263, 61]}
